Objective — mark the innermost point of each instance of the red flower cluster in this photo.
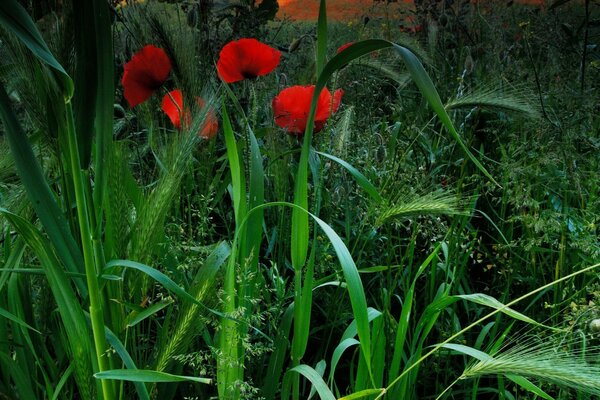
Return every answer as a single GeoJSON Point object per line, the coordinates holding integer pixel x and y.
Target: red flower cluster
{"type": "Point", "coordinates": [245, 59]}
{"type": "Point", "coordinates": [292, 105]}
{"type": "Point", "coordinates": [172, 105]}
{"type": "Point", "coordinates": [144, 74]}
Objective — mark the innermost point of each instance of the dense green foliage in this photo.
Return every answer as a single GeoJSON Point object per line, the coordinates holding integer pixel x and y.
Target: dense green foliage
{"type": "Point", "coordinates": [438, 238]}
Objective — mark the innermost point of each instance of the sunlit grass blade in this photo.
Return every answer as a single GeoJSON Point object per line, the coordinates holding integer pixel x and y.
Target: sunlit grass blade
{"type": "Point", "coordinates": [141, 375]}
{"type": "Point", "coordinates": [228, 368]}
{"type": "Point", "coordinates": [367, 393]}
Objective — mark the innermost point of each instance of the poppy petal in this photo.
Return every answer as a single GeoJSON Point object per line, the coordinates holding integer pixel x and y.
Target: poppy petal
{"type": "Point", "coordinates": [211, 125]}
{"type": "Point", "coordinates": [172, 105]}
{"type": "Point", "coordinates": [147, 70]}
{"type": "Point", "coordinates": [344, 47]}
{"type": "Point", "coordinates": [246, 58]}
{"type": "Point", "coordinates": [292, 105]}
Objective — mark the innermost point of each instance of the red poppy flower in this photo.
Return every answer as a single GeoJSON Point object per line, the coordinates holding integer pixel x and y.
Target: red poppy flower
{"type": "Point", "coordinates": [246, 58]}
{"type": "Point", "coordinates": [172, 105]}
{"type": "Point", "coordinates": [344, 47]}
{"type": "Point", "coordinates": [292, 105]}
{"type": "Point", "coordinates": [144, 74]}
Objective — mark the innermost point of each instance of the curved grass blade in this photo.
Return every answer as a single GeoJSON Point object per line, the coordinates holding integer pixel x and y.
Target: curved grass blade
{"type": "Point", "coordinates": [362, 181]}
{"type": "Point", "coordinates": [314, 378]}
{"type": "Point", "coordinates": [144, 375]}
{"type": "Point", "coordinates": [39, 192]}
{"type": "Point", "coordinates": [428, 90]}
{"type": "Point", "coordinates": [14, 18]}
{"type": "Point", "coordinates": [71, 313]}
{"type": "Point", "coordinates": [337, 354]}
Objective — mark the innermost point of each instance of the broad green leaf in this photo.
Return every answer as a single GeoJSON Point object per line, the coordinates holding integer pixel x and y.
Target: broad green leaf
{"type": "Point", "coordinates": [105, 98]}
{"type": "Point", "coordinates": [85, 78]}
{"type": "Point", "coordinates": [143, 375]}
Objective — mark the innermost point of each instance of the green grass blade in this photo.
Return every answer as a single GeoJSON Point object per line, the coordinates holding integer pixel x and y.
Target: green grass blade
{"type": "Point", "coordinates": [528, 385]}
{"type": "Point", "coordinates": [153, 309]}
{"type": "Point", "coordinates": [321, 37]}
{"type": "Point", "coordinates": [489, 301]}
{"type": "Point", "coordinates": [404, 320]}
{"type": "Point", "coordinates": [105, 98]}
{"type": "Point", "coordinates": [337, 354]}
{"type": "Point", "coordinates": [14, 18]}
{"type": "Point", "coordinates": [127, 360]}
{"type": "Point", "coordinates": [142, 375]}
{"type": "Point", "coordinates": [161, 278]}
{"type": "Point", "coordinates": [363, 393]}
{"type": "Point", "coordinates": [469, 351]}
{"type": "Point", "coordinates": [23, 385]}
{"type": "Point", "coordinates": [428, 90]}
{"type": "Point", "coordinates": [314, 378]}
{"type": "Point", "coordinates": [61, 383]}
{"type": "Point", "coordinates": [39, 192]}
{"type": "Point", "coordinates": [71, 313]}
{"type": "Point", "coordinates": [16, 320]}
{"type": "Point", "coordinates": [238, 180]}
{"type": "Point", "coordinates": [85, 78]}
{"type": "Point", "coordinates": [275, 368]}
{"type": "Point", "coordinates": [362, 181]}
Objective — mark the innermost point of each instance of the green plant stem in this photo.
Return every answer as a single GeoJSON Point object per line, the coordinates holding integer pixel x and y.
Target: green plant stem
{"type": "Point", "coordinates": [480, 320]}
{"type": "Point", "coordinates": [95, 296]}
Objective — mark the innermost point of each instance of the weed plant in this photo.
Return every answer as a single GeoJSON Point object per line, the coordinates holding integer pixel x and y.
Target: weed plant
{"type": "Point", "coordinates": [437, 238]}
